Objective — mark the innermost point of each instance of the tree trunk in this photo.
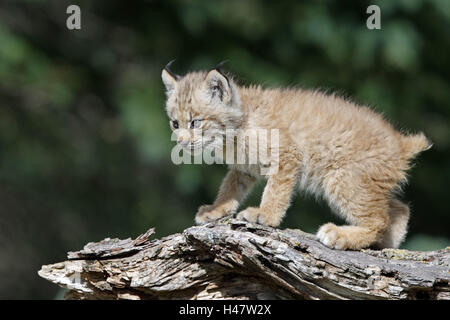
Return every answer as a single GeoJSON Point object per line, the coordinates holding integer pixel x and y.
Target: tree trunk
{"type": "Point", "coordinates": [232, 259]}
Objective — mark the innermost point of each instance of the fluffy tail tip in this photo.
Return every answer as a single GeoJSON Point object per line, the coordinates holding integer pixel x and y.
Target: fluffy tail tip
{"type": "Point", "coordinates": [417, 143]}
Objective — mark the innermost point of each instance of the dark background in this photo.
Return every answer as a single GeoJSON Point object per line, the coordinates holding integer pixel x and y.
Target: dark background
{"type": "Point", "coordinates": [85, 143]}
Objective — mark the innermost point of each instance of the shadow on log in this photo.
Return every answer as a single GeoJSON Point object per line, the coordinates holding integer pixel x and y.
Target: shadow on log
{"type": "Point", "coordinates": [232, 259]}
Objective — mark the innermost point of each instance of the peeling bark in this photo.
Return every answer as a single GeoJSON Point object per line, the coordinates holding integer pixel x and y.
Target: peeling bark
{"type": "Point", "coordinates": [232, 259]}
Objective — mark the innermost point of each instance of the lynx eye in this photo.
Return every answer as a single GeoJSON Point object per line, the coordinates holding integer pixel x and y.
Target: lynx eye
{"type": "Point", "coordinates": [196, 123]}
{"type": "Point", "coordinates": [175, 124]}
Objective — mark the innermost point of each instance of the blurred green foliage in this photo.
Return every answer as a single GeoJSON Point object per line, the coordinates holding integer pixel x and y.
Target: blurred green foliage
{"type": "Point", "coordinates": [85, 143]}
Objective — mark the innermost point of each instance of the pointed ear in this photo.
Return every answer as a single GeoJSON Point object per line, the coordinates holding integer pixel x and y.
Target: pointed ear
{"type": "Point", "coordinates": [218, 86]}
{"type": "Point", "coordinates": [169, 81]}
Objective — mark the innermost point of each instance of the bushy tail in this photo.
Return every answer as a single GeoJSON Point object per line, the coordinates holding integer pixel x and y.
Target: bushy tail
{"type": "Point", "coordinates": [413, 144]}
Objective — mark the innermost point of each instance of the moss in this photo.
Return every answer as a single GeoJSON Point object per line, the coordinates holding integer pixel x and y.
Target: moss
{"type": "Point", "coordinates": [401, 254]}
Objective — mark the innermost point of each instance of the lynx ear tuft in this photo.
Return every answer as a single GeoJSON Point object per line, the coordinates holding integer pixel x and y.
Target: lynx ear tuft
{"type": "Point", "coordinates": [218, 86]}
{"type": "Point", "coordinates": [220, 65]}
{"type": "Point", "coordinates": [169, 78]}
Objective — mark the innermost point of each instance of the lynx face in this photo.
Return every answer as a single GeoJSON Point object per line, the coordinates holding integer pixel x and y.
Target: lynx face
{"type": "Point", "coordinates": [201, 106]}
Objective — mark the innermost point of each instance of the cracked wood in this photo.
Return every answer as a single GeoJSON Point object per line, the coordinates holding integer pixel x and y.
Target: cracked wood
{"type": "Point", "coordinates": [233, 259]}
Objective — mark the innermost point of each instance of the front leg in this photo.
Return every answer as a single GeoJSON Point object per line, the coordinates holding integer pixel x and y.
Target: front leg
{"type": "Point", "coordinates": [275, 199]}
{"type": "Point", "coordinates": [233, 189]}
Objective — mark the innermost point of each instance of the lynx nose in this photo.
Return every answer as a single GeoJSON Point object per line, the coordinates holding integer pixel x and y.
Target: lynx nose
{"type": "Point", "coordinates": [183, 143]}
{"type": "Point", "coordinates": [183, 138]}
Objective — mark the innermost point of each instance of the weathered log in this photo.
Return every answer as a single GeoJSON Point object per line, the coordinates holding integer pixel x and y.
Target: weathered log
{"type": "Point", "coordinates": [232, 259]}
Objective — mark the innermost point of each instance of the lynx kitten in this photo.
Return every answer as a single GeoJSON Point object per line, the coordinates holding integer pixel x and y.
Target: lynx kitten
{"type": "Point", "coordinates": [328, 146]}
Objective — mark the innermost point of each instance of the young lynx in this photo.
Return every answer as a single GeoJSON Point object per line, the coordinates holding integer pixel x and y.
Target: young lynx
{"type": "Point", "coordinates": [328, 146]}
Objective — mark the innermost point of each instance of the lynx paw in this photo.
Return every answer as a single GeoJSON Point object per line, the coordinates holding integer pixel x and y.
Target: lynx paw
{"type": "Point", "coordinates": [208, 213]}
{"type": "Point", "coordinates": [332, 236]}
{"type": "Point", "coordinates": [256, 215]}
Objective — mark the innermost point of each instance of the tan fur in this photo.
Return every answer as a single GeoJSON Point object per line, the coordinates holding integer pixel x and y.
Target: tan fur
{"type": "Point", "coordinates": [330, 147]}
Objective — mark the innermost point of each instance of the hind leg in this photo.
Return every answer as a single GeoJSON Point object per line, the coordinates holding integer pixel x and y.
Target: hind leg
{"type": "Point", "coordinates": [366, 232]}
{"type": "Point", "coordinates": [363, 203]}
{"type": "Point", "coordinates": [398, 224]}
